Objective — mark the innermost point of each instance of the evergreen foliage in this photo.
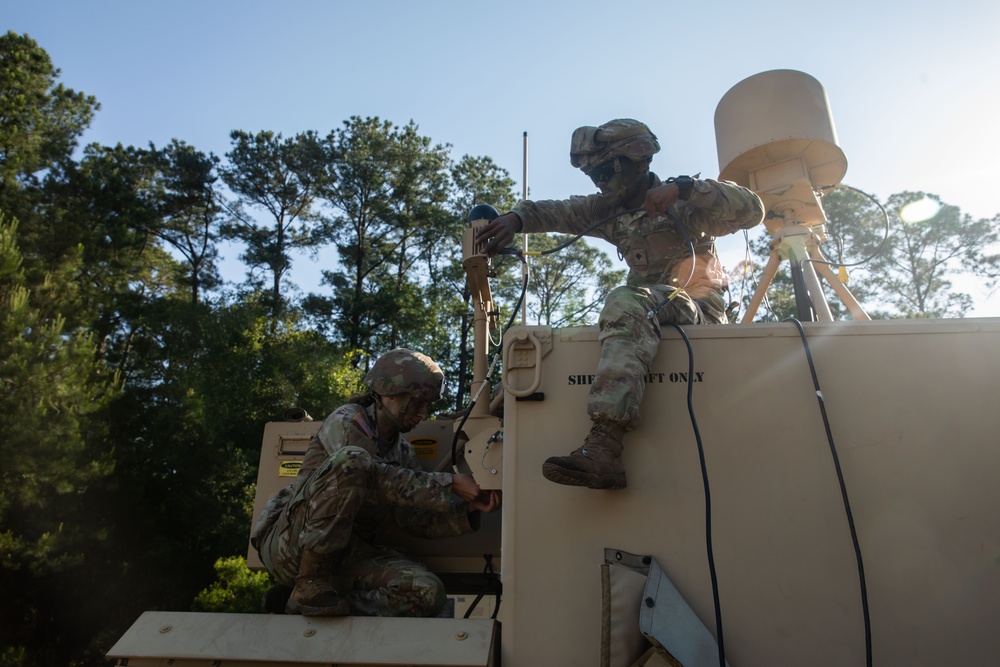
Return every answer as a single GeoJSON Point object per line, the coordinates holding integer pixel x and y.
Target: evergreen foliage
{"type": "Point", "coordinates": [236, 590]}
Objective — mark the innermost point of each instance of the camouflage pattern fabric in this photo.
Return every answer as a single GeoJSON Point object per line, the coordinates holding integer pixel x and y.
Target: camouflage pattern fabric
{"type": "Point", "coordinates": [660, 266]}
{"type": "Point", "coordinates": [346, 491]}
{"type": "Point", "coordinates": [403, 371]}
{"type": "Point", "coordinates": [380, 581]}
{"type": "Point", "coordinates": [622, 137]}
{"type": "Point", "coordinates": [629, 342]}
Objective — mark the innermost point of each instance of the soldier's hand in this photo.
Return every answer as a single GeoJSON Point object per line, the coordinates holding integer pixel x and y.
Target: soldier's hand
{"type": "Point", "coordinates": [487, 501]}
{"type": "Point", "coordinates": [660, 198]}
{"type": "Point", "coordinates": [464, 486]}
{"type": "Point", "coordinates": [498, 234]}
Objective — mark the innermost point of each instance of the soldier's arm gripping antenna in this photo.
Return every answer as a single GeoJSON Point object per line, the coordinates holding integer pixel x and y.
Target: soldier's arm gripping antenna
{"type": "Point", "coordinates": [511, 250]}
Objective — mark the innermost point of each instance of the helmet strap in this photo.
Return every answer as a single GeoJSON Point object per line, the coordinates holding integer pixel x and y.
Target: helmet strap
{"type": "Point", "coordinates": [623, 189]}
{"type": "Point", "coordinates": [395, 419]}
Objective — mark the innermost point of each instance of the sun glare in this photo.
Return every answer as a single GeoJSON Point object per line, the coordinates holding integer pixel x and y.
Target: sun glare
{"type": "Point", "coordinates": [920, 210]}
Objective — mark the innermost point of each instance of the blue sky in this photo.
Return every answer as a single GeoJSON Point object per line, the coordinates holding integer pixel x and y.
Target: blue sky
{"type": "Point", "coordinates": [914, 88]}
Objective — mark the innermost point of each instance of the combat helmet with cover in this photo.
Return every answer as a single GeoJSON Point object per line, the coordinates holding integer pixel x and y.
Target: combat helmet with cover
{"type": "Point", "coordinates": [591, 147]}
{"type": "Point", "coordinates": [403, 371]}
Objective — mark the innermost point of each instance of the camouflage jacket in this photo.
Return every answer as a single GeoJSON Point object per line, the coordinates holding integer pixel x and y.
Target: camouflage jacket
{"type": "Point", "coordinates": [654, 247]}
{"type": "Point", "coordinates": [419, 502]}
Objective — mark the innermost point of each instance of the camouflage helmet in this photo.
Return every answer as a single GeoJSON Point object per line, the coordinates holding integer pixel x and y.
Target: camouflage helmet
{"type": "Point", "coordinates": [403, 371]}
{"type": "Point", "coordinates": [622, 137]}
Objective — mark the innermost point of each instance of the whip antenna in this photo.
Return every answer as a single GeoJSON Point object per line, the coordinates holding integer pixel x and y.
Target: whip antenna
{"type": "Point", "coordinates": [524, 237]}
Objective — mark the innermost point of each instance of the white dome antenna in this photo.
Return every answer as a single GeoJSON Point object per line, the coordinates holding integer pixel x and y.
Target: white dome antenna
{"type": "Point", "coordinates": [774, 134]}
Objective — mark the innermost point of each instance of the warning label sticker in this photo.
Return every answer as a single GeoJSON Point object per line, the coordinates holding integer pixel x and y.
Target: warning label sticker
{"type": "Point", "coordinates": [289, 468]}
{"type": "Point", "coordinates": [425, 448]}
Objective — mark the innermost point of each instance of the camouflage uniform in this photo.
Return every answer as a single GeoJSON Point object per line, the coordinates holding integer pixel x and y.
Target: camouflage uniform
{"type": "Point", "coordinates": [660, 266]}
{"type": "Point", "coordinates": [347, 489]}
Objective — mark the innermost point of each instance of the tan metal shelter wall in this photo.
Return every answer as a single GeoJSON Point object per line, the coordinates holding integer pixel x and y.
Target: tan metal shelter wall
{"type": "Point", "coordinates": [912, 410]}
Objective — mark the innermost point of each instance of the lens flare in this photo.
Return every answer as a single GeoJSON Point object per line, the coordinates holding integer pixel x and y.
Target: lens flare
{"type": "Point", "coordinates": [920, 210]}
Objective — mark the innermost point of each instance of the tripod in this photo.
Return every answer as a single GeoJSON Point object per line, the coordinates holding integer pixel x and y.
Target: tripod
{"type": "Point", "coordinates": [800, 245]}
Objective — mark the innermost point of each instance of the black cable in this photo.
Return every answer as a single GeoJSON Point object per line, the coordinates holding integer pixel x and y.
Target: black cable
{"type": "Point", "coordinates": [520, 300]}
{"type": "Point", "coordinates": [708, 497]}
{"type": "Point", "coordinates": [490, 581]}
{"type": "Point", "coordinates": [472, 403]}
{"type": "Point", "coordinates": [843, 492]}
{"type": "Point", "coordinates": [454, 441]}
{"type": "Point", "coordinates": [885, 236]}
{"type": "Point", "coordinates": [513, 250]}
{"type": "Point", "coordinates": [694, 260]}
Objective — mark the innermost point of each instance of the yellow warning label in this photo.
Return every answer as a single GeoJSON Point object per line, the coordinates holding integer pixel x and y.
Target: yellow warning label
{"type": "Point", "coordinates": [425, 448]}
{"type": "Point", "coordinates": [289, 468]}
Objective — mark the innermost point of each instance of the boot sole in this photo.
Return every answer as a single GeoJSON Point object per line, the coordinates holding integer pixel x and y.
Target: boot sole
{"type": "Point", "coordinates": [559, 475]}
{"type": "Point", "coordinates": [339, 609]}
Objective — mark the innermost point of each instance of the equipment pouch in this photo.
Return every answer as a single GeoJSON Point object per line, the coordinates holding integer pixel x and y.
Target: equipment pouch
{"type": "Point", "coordinates": [623, 577]}
{"type": "Point", "coordinates": [639, 603]}
{"type": "Point", "coordinates": [667, 620]}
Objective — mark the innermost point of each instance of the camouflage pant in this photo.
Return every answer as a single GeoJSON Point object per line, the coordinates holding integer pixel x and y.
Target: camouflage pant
{"type": "Point", "coordinates": [380, 581]}
{"type": "Point", "coordinates": [629, 341]}
{"type": "Point", "coordinates": [320, 517]}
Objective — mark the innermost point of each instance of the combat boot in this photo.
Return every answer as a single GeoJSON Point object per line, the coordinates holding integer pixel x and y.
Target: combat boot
{"type": "Point", "coordinates": [314, 594]}
{"type": "Point", "coordinates": [596, 464]}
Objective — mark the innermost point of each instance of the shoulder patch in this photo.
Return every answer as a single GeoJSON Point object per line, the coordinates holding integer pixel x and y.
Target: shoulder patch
{"type": "Point", "coordinates": [362, 423]}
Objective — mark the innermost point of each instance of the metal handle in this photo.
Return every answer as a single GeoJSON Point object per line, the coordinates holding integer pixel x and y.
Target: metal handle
{"type": "Point", "coordinates": [521, 337]}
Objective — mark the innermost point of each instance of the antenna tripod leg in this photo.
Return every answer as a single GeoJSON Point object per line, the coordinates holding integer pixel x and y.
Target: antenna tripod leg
{"type": "Point", "coordinates": [766, 277]}
{"type": "Point", "coordinates": [839, 288]}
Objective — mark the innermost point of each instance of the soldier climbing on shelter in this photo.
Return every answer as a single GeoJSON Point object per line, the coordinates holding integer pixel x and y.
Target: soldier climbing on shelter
{"type": "Point", "coordinates": [319, 533]}
{"type": "Point", "coordinates": [665, 231]}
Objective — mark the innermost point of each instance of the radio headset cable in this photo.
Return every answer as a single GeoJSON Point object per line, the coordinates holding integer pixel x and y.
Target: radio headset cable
{"type": "Point", "coordinates": [843, 492]}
